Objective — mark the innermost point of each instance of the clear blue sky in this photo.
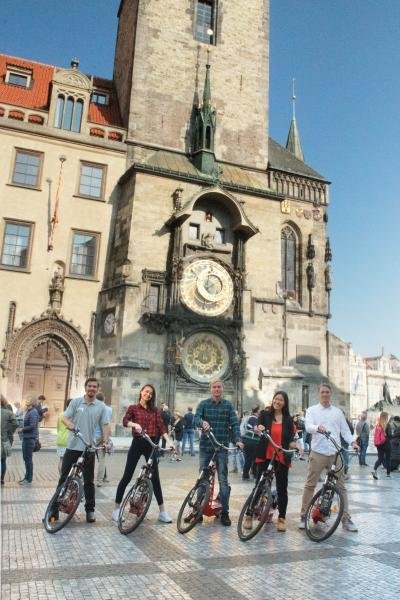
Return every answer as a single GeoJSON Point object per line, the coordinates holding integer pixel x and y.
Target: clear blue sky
{"type": "Point", "coordinates": [344, 55]}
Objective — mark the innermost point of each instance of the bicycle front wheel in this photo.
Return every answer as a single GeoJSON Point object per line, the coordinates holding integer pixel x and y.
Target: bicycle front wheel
{"type": "Point", "coordinates": [324, 513]}
{"type": "Point", "coordinates": [63, 504]}
{"type": "Point", "coordinates": [193, 506]}
{"type": "Point", "coordinates": [255, 512]}
{"type": "Point", "coordinates": [135, 506]}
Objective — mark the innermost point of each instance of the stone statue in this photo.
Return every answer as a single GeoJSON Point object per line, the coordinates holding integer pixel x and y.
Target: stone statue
{"type": "Point", "coordinates": [207, 240]}
{"type": "Point", "coordinates": [328, 278]}
{"type": "Point", "coordinates": [56, 290]}
{"type": "Point", "coordinates": [310, 276]}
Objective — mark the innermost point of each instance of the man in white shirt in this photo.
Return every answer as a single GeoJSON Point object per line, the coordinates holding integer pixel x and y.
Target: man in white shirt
{"type": "Point", "coordinates": [320, 418]}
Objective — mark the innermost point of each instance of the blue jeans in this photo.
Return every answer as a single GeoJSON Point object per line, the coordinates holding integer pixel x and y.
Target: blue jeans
{"type": "Point", "coordinates": [188, 434]}
{"type": "Point", "coordinates": [237, 455]}
{"type": "Point", "coordinates": [222, 470]}
{"type": "Point", "coordinates": [363, 452]}
{"type": "Point", "coordinates": [27, 453]}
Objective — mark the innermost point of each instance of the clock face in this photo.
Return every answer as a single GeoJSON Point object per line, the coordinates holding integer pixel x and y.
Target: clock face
{"type": "Point", "coordinates": [205, 356]}
{"type": "Point", "coordinates": [109, 323]}
{"type": "Point", "coordinates": [206, 287]}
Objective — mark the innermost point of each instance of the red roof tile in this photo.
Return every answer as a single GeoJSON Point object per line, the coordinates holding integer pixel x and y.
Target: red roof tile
{"type": "Point", "coordinates": [38, 95]}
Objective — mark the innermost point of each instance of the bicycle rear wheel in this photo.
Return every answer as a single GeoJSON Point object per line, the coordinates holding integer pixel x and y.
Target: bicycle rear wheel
{"type": "Point", "coordinates": [193, 506]}
{"type": "Point", "coordinates": [135, 506]}
{"type": "Point", "coordinates": [63, 504]}
{"type": "Point", "coordinates": [255, 512]}
{"type": "Point", "coordinates": [324, 513]}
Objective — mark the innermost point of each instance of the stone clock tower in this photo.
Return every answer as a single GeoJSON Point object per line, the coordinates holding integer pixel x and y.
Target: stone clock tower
{"type": "Point", "coordinates": [196, 285]}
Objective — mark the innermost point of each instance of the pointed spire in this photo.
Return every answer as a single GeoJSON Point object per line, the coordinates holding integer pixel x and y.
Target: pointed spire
{"type": "Point", "coordinates": [204, 129]}
{"type": "Point", "coordinates": [207, 83]}
{"type": "Point", "coordinates": [293, 143]}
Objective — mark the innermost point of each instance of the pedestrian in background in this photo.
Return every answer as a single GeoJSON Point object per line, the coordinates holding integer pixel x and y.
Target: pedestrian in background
{"type": "Point", "coordinates": [177, 434]}
{"type": "Point", "coordinates": [382, 442]}
{"type": "Point", "coordinates": [62, 437]}
{"type": "Point", "coordinates": [250, 440]}
{"type": "Point", "coordinates": [362, 433]}
{"type": "Point", "coordinates": [30, 433]}
{"type": "Point", "coordinates": [8, 426]}
{"type": "Point", "coordinates": [188, 431]}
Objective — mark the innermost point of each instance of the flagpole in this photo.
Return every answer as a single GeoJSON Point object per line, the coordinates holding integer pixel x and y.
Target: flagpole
{"type": "Point", "coordinates": [54, 220]}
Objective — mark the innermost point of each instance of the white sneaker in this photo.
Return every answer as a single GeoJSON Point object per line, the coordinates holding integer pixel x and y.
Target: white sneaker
{"type": "Point", "coordinates": [302, 523]}
{"type": "Point", "coordinates": [115, 515]}
{"type": "Point", "coordinates": [348, 525]}
{"type": "Point", "coordinates": [164, 517]}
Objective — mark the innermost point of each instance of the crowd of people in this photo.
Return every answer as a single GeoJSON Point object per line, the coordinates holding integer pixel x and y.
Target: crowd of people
{"type": "Point", "coordinates": [91, 414]}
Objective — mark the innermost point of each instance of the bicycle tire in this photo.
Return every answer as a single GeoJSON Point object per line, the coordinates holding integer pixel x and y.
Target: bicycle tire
{"type": "Point", "coordinates": [260, 509]}
{"type": "Point", "coordinates": [195, 503]}
{"type": "Point", "coordinates": [52, 523]}
{"type": "Point", "coordinates": [135, 505]}
{"type": "Point", "coordinates": [320, 526]}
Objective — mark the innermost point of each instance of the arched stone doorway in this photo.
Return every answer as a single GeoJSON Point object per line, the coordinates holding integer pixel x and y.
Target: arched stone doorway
{"type": "Point", "coordinates": [36, 348]}
{"type": "Point", "coordinates": [47, 372]}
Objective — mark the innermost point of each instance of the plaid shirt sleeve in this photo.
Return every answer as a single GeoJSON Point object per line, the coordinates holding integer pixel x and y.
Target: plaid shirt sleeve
{"type": "Point", "coordinates": [129, 415]}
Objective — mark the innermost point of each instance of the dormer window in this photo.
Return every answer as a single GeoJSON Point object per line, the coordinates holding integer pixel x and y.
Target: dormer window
{"type": "Point", "coordinates": [18, 76]}
{"type": "Point", "coordinates": [99, 98]}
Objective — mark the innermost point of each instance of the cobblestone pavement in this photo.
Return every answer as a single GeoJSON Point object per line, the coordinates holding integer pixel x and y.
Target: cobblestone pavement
{"type": "Point", "coordinates": [94, 561]}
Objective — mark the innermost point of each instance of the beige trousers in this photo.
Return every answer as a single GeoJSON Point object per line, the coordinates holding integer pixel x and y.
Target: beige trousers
{"type": "Point", "coordinates": [316, 464]}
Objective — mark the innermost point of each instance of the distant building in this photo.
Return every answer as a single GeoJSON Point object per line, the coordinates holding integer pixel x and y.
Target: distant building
{"type": "Point", "coordinates": [151, 230]}
{"type": "Point", "coordinates": [375, 383]}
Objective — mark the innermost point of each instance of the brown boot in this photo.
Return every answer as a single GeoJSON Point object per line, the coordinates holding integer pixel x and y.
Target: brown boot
{"type": "Point", "coordinates": [247, 522]}
{"type": "Point", "coordinates": [281, 524]}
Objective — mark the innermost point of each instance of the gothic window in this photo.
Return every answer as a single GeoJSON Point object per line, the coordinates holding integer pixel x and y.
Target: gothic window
{"type": "Point", "coordinates": [289, 262]}
{"type": "Point", "coordinates": [91, 180]}
{"type": "Point", "coordinates": [84, 252]}
{"type": "Point", "coordinates": [68, 113]}
{"type": "Point", "coordinates": [16, 245]}
{"type": "Point", "coordinates": [27, 168]}
{"type": "Point", "coordinates": [205, 21]}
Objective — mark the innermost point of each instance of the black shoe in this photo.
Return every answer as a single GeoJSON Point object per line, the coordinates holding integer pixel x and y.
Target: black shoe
{"type": "Point", "coordinates": [225, 520]}
{"type": "Point", "coordinates": [90, 518]}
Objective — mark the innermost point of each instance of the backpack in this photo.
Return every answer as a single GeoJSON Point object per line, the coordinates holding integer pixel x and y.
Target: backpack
{"type": "Point", "coordinates": [379, 436]}
{"type": "Point", "coordinates": [188, 420]}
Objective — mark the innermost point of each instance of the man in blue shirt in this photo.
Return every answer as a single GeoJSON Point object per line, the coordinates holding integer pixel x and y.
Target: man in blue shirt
{"type": "Point", "coordinates": [219, 415]}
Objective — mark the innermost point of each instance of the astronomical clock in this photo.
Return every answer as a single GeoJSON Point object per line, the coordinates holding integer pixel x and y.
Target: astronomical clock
{"type": "Point", "coordinates": [206, 287]}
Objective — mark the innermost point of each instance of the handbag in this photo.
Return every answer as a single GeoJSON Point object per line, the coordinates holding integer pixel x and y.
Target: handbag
{"type": "Point", "coordinates": [37, 445]}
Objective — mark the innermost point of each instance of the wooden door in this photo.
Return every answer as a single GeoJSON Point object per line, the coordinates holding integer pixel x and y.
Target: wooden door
{"type": "Point", "coordinates": [47, 373]}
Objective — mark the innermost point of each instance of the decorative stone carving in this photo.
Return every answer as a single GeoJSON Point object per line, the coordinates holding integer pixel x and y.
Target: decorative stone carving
{"type": "Point", "coordinates": [25, 339]}
{"type": "Point", "coordinates": [56, 290]}
{"type": "Point", "coordinates": [328, 278]}
{"type": "Point", "coordinates": [207, 240]}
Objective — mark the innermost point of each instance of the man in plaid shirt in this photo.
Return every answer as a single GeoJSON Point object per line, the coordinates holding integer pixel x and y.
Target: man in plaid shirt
{"type": "Point", "coordinates": [219, 415]}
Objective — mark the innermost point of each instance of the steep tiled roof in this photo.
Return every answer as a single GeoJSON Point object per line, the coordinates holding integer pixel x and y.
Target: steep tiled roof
{"type": "Point", "coordinates": [38, 95]}
{"type": "Point", "coordinates": [281, 159]}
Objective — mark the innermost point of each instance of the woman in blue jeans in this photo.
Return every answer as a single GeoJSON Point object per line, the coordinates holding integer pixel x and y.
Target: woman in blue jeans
{"type": "Point", "coordinates": [30, 433]}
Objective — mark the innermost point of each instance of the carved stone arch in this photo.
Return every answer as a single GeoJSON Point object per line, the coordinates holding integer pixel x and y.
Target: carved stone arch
{"type": "Point", "coordinates": [28, 337]}
{"type": "Point", "coordinates": [240, 221]}
{"type": "Point", "coordinates": [72, 78]}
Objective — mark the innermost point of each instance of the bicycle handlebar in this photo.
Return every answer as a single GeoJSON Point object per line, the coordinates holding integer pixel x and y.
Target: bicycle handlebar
{"type": "Point", "coordinates": [329, 437]}
{"type": "Point", "coordinates": [211, 436]}
{"type": "Point", "coordinates": [279, 448]}
{"type": "Point", "coordinates": [146, 437]}
{"type": "Point", "coordinates": [78, 434]}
